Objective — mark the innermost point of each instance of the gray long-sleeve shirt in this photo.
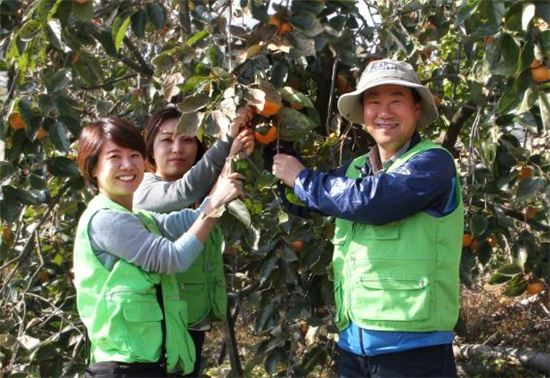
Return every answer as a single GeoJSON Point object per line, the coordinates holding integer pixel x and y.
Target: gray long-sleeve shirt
{"type": "Point", "coordinates": [155, 194]}
{"type": "Point", "coordinates": [172, 252]}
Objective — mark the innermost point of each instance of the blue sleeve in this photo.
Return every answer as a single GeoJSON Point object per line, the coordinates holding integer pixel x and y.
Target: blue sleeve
{"type": "Point", "coordinates": [302, 211]}
{"type": "Point", "coordinates": [424, 183]}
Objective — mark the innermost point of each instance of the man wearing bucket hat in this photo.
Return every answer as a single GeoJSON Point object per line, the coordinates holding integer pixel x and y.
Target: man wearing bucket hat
{"type": "Point", "coordinates": [398, 234]}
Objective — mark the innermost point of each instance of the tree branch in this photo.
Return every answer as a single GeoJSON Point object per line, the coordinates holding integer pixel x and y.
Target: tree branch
{"type": "Point", "coordinates": [458, 120]}
{"type": "Point", "coordinates": [529, 358]}
{"type": "Point", "coordinates": [135, 52]}
{"type": "Point", "coordinates": [110, 82]}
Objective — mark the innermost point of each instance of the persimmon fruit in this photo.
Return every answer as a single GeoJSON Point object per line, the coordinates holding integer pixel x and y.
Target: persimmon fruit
{"type": "Point", "coordinates": [41, 133]}
{"type": "Point", "coordinates": [298, 245]}
{"type": "Point", "coordinates": [16, 122]}
{"type": "Point", "coordinates": [467, 240]}
{"type": "Point", "coordinates": [525, 172]}
{"type": "Point", "coordinates": [535, 288]}
{"type": "Point", "coordinates": [270, 108]}
{"type": "Point", "coordinates": [268, 137]}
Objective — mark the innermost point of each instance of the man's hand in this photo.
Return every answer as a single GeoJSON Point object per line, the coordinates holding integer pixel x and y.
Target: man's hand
{"type": "Point", "coordinates": [244, 141]}
{"type": "Point", "coordinates": [286, 168]}
{"type": "Point", "coordinates": [243, 119]}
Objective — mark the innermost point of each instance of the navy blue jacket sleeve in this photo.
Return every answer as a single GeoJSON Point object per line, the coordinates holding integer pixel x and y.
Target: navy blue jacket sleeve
{"type": "Point", "coordinates": [424, 183]}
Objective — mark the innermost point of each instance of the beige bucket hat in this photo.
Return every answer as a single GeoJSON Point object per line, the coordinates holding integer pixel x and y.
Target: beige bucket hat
{"type": "Point", "coordinates": [387, 71]}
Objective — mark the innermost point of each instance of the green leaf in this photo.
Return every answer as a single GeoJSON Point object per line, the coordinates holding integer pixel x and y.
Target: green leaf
{"type": "Point", "coordinates": [292, 96]}
{"type": "Point", "coordinates": [288, 254]}
{"type": "Point", "coordinates": [478, 225]}
{"type": "Point", "coordinates": [7, 169]}
{"type": "Point", "coordinates": [508, 54]}
{"type": "Point", "coordinates": [466, 9]}
{"type": "Point", "coordinates": [30, 116]}
{"type": "Point", "coordinates": [308, 23]}
{"type": "Point", "coordinates": [18, 195]}
{"type": "Point", "coordinates": [89, 69]}
{"type": "Point", "coordinates": [156, 15]}
{"type": "Point", "coordinates": [47, 8]}
{"type": "Point", "coordinates": [10, 210]}
{"type": "Point", "coordinates": [544, 106]}
{"type": "Point", "coordinates": [83, 12]}
{"type": "Point", "coordinates": [265, 313]}
{"type": "Point", "coordinates": [53, 33]}
{"type": "Point", "coordinates": [292, 197]}
{"type": "Point", "coordinates": [274, 358]}
{"type": "Point", "coordinates": [516, 286]}
{"type": "Point", "coordinates": [62, 167]}
{"type": "Point", "coordinates": [193, 103]}
{"type": "Point", "coordinates": [238, 209]}
{"type": "Point", "coordinates": [193, 83]}
{"type": "Point", "coordinates": [119, 30]}
{"type": "Point", "coordinates": [57, 133]}
{"type": "Point", "coordinates": [509, 270]}
{"type": "Point", "coordinates": [529, 188]}
{"type": "Point", "coordinates": [493, 11]}
{"type": "Point", "coordinates": [189, 123]}
{"type": "Point", "coordinates": [29, 30]}
{"type": "Point", "coordinates": [139, 20]}
{"type": "Point", "coordinates": [163, 61]}
{"type": "Point", "coordinates": [200, 35]}
{"type": "Point", "coordinates": [311, 6]}
{"type": "Point", "coordinates": [60, 80]}
{"type": "Point", "coordinates": [105, 37]}
{"type": "Point", "coordinates": [498, 278]}
{"type": "Point", "coordinates": [291, 123]}
{"type": "Point", "coordinates": [267, 268]}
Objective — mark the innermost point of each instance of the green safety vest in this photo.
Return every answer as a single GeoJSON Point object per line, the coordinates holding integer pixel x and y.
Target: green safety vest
{"type": "Point", "coordinates": [202, 286]}
{"type": "Point", "coordinates": [401, 276]}
{"type": "Point", "coordinates": [119, 307]}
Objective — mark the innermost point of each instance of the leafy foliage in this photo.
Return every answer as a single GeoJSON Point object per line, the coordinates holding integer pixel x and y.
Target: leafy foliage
{"type": "Point", "coordinates": [70, 62]}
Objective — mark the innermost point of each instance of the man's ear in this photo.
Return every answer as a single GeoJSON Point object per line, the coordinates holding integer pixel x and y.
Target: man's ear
{"type": "Point", "coordinates": [418, 110]}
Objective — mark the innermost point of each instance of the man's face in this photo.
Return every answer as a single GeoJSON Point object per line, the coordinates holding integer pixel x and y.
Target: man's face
{"type": "Point", "coordinates": [390, 115]}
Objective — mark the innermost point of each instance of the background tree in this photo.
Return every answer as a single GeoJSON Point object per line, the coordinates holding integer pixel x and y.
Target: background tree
{"type": "Point", "coordinates": [66, 63]}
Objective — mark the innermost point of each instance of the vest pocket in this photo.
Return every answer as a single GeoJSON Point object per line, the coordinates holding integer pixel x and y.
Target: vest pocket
{"type": "Point", "coordinates": [220, 299]}
{"type": "Point", "coordinates": [389, 231]}
{"type": "Point", "coordinates": [194, 293]}
{"type": "Point", "coordinates": [391, 298]}
{"type": "Point", "coordinates": [144, 333]}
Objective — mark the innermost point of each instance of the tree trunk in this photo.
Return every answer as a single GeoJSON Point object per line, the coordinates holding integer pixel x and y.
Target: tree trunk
{"type": "Point", "coordinates": [531, 359]}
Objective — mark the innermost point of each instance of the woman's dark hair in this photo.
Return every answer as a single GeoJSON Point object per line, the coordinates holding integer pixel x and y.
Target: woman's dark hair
{"type": "Point", "coordinates": [152, 129]}
{"type": "Point", "coordinates": [92, 138]}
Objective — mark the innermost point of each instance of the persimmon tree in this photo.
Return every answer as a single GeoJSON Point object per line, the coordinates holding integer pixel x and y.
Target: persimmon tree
{"type": "Point", "coordinates": [66, 63]}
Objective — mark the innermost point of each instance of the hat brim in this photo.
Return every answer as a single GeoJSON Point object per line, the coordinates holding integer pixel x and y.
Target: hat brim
{"type": "Point", "coordinates": [350, 104]}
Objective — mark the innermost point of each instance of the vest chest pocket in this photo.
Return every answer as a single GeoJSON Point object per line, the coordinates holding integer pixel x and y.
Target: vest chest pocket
{"type": "Point", "coordinates": [196, 297]}
{"type": "Point", "coordinates": [388, 231]}
{"type": "Point", "coordinates": [391, 298]}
